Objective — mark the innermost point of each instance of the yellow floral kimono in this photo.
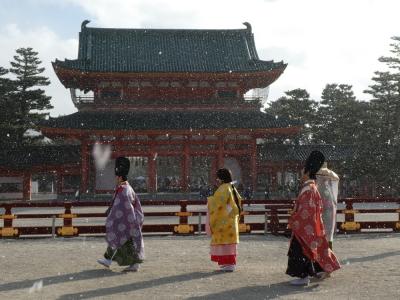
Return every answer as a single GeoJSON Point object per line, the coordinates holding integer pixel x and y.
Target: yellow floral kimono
{"type": "Point", "coordinates": [223, 216]}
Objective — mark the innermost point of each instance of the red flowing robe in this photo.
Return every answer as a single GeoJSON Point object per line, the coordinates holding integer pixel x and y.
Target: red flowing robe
{"type": "Point", "coordinates": [307, 227]}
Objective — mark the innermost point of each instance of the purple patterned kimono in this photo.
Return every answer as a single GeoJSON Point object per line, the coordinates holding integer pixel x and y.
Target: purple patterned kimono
{"type": "Point", "coordinates": [124, 227]}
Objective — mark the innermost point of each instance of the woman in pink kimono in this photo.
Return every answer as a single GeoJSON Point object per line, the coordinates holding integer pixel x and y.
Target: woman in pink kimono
{"type": "Point", "coordinates": [124, 223]}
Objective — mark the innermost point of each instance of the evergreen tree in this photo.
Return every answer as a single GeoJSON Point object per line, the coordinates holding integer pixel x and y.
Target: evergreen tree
{"type": "Point", "coordinates": [341, 122]}
{"type": "Point", "coordinates": [296, 105]}
{"type": "Point", "coordinates": [7, 108]}
{"type": "Point", "coordinates": [30, 101]}
{"type": "Point", "coordinates": [384, 124]}
{"type": "Point", "coordinates": [340, 116]}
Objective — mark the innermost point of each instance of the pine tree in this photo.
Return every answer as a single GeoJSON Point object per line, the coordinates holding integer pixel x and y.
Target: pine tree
{"type": "Point", "coordinates": [339, 120]}
{"type": "Point", "coordinates": [296, 105]}
{"type": "Point", "coordinates": [340, 116]}
{"type": "Point", "coordinates": [30, 101]}
{"type": "Point", "coordinates": [7, 108]}
{"type": "Point", "coordinates": [384, 124]}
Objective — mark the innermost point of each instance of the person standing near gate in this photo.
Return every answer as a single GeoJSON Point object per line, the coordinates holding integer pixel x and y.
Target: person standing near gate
{"type": "Point", "coordinates": [309, 254]}
{"type": "Point", "coordinates": [328, 186]}
{"type": "Point", "coordinates": [223, 211]}
{"type": "Point", "coordinates": [124, 223]}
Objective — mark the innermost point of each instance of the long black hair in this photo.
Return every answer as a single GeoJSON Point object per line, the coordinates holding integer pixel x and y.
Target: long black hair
{"type": "Point", "coordinates": [122, 165]}
{"type": "Point", "coordinates": [226, 177]}
{"type": "Point", "coordinates": [313, 163]}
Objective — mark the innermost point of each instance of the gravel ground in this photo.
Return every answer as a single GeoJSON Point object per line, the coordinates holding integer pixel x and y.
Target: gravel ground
{"type": "Point", "coordinates": [179, 268]}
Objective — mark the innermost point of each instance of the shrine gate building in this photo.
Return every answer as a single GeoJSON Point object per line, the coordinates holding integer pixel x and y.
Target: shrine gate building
{"type": "Point", "coordinates": [172, 101]}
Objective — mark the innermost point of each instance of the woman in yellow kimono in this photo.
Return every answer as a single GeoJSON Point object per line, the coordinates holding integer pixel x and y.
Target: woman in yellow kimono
{"type": "Point", "coordinates": [222, 224]}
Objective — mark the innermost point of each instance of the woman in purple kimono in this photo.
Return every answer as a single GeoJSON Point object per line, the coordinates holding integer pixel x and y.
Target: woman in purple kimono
{"type": "Point", "coordinates": [124, 223]}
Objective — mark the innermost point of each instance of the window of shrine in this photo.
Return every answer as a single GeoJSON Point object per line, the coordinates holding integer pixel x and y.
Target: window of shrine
{"type": "Point", "coordinates": [220, 84]}
{"type": "Point", "coordinates": [177, 137]}
{"type": "Point", "coordinates": [116, 84]}
{"type": "Point", "coordinates": [193, 84]}
{"type": "Point", "coordinates": [146, 84]}
{"type": "Point", "coordinates": [70, 183]}
{"type": "Point", "coordinates": [200, 169]}
{"type": "Point", "coordinates": [133, 84]}
{"type": "Point", "coordinates": [227, 94]}
{"type": "Point", "coordinates": [175, 84]}
{"type": "Point", "coordinates": [43, 183]}
{"type": "Point", "coordinates": [113, 94]}
{"type": "Point", "coordinates": [137, 176]}
{"type": "Point", "coordinates": [211, 137]}
{"type": "Point", "coordinates": [204, 84]}
{"type": "Point", "coordinates": [163, 84]}
{"type": "Point", "coordinates": [11, 185]}
{"type": "Point", "coordinates": [169, 173]}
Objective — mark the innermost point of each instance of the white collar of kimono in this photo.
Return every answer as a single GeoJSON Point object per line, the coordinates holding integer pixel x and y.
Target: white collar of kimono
{"type": "Point", "coordinates": [306, 186]}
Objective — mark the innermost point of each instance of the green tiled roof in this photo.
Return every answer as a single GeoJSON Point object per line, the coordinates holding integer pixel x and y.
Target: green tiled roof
{"type": "Point", "coordinates": [168, 120]}
{"type": "Point", "coordinates": [51, 155]}
{"type": "Point", "coordinates": [167, 50]}
{"type": "Point", "coordinates": [274, 152]}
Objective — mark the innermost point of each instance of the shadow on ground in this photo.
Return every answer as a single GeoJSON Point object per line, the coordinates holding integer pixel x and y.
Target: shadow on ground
{"type": "Point", "coordinates": [71, 277]}
{"type": "Point", "coordinates": [140, 285]}
{"type": "Point", "coordinates": [260, 292]}
{"type": "Point", "coordinates": [370, 258]}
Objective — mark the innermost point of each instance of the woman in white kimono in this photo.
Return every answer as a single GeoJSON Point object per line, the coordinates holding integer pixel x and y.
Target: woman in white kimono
{"type": "Point", "coordinates": [328, 185]}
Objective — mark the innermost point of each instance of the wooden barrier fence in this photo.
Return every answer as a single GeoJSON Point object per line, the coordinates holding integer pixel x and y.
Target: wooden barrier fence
{"type": "Point", "coordinates": [275, 213]}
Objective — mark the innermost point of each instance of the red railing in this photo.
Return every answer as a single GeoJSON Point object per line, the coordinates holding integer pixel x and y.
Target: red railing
{"type": "Point", "coordinates": [275, 215]}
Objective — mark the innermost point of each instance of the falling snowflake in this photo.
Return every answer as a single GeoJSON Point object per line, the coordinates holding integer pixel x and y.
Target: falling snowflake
{"type": "Point", "coordinates": [101, 154]}
{"type": "Point", "coordinates": [36, 287]}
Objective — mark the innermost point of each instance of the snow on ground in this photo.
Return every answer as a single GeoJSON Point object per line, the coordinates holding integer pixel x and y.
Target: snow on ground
{"type": "Point", "coordinates": [179, 268]}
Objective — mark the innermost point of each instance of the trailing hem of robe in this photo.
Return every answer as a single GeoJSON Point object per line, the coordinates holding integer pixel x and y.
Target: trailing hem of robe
{"type": "Point", "coordinates": [223, 216]}
{"type": "Point", "coordinates": [307, 227]}
{"type": "Point", "coordinates": [124, 224]}
{"type": "Point", "coordinates": [327, 184]}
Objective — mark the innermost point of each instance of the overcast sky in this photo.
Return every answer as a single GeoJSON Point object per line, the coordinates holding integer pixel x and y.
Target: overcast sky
{"type": "Point", "coordinates": [323, 41]}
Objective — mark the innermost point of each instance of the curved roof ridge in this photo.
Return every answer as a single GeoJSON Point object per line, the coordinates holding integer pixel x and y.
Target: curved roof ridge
{"type": "Point", "coordinates": [168, 50]}
{"type": "Point", "coordinates": [246, 24]}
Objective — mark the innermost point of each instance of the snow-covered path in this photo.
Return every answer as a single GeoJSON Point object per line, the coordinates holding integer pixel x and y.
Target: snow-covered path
{"type": "Point", "coordinates": [179, 268]}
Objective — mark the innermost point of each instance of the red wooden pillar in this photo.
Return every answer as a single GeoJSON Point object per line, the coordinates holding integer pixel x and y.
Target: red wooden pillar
{"type": "Point", "coordinates": [274, 179]}
{"type": "Point", "coordinates": [152, 171]}
{"type": "Point", "coordinates": [185, 168]}
{"type": "Point", "coordinates": [220, 155]}
{"type": "Point", "coordinates": [84, 166]}
{"type": "Point", "coordinates": [26, 186]}
{"type": "Point", "coordinates": [59, 181]}
{"type": "Point", "coordinates": [253, 164]}
{"type": "Point", "coordinates": [213, 174]}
